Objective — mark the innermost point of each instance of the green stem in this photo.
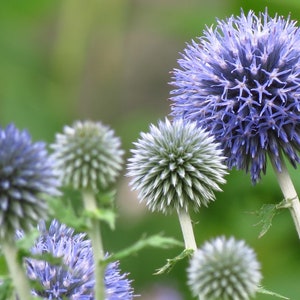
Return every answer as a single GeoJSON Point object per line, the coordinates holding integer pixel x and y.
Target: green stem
{"type": "Point", "coordinates": [96, 239]}
{"type": "Point", "coordinates": [17, 272]}
{"type": "Point", "coordinates": [289, 193]}
{"type": "Point", "coordinates": [187, 229]}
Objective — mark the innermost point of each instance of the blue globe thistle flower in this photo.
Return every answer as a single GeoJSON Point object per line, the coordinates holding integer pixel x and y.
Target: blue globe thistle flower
{"type": "Point", "coordinates": [74, 279]}
{"type": "Point", "coordinates": [88, 155]}
{"type": "Point", "coordinates": [176, 166]}
{"type": "Point", "coordinates": [241, 82]}
{"type": "Point", "coordinates": [26, 176]}
{"type": "Point", "coordinates": [224, 269]}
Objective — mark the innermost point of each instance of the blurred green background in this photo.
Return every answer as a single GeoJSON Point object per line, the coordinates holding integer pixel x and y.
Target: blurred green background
{"type": "Point", "coordinates": [110, 60]}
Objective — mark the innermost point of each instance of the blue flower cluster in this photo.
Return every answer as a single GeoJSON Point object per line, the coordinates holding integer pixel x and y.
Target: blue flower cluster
{"type": "Point", "coordinates": [73, 278]}
{"type": "Point", "coordinates": [241, 82]}
{"type": "Point", "coordinates": [26, 176]}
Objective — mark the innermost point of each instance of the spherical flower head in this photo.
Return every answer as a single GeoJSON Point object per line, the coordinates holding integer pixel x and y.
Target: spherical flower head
{"type": "Point", "coordinates": [241, 82]}
{"type": "Point", "coordinates": [88, 155]}
{"type": "Point", "coordinates": [26, 177]}
{"type": "Point", "coordinates": [176, 166]}
{"type": "Point", "coordinates": [74, 278]}
{"type": "Point", "coordinates": [224, 269]}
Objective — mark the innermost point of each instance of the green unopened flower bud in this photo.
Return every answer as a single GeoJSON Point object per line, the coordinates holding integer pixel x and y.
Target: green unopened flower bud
{"type": "Point", "coordinates": [224, 269]}
{"type": "Point", "coordinates": [176, 166]}
{"type": "Point", "coordinates": [88, 155]}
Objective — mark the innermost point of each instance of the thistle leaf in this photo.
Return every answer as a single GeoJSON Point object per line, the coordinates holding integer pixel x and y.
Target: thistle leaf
{"type": "Point", "coordinates": [64, 212]}
{"type": "Point", "coordinates": [172, 261]}
{"type": "Point", "coordinates": [6, 288]}
{"type": "Point", "coordinates": [262, 290]}
{"type": "Point", "coordinates": [266, 214]}
{"type": "Point", "coordinates": [154, 241]}
{"type": "Point", "coordinates": [106, 215]}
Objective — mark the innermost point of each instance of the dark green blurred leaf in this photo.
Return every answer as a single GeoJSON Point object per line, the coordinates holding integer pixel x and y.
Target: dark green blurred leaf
{"type": "Point", "coordinates": [105, 215]}
{"type": "Point", "coordinates": [6, 288]}
{"type": "Point", "coordinates": [64, 212]}
{"type": "Point", "coordinates": [48, 257]}
{"type": "Point", "coordinates": [25, 244]}
{"type": "Point", "coordinates": [107, 198]}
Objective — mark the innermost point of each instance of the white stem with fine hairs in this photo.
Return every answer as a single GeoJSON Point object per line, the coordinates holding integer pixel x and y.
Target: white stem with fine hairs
{"type": "Point", "coordinates": [289, 193]}
{"type": "Point", "coordinates": [187, 229]}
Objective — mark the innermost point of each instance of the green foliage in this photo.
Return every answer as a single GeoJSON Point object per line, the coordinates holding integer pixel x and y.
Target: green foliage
{"type": "Point", "coordinates": [25, 243]}
{"type": "Point", "coordinates": [172, 261]}
{"type": "Point", "coordinates": [106, 215]}
{"type": "Point", "coordinates": [63, 211]}
{"type": "Point", "coordinates": [266, 292]}
{"type": "Point", "coordinates": [6, 288]}
{"type": "Point", "coordinates": [266, 214]}
{"type": "Point", "coordinates": [154, 241]}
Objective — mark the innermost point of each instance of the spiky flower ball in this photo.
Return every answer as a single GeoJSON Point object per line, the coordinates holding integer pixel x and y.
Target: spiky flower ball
{"type": "Point", "coordinates": [176, 166]}
{"type": "Point", "coordinates": [74, 277]}
{"type": "Point", "coordinates": [26, 176]}
{"type": "Point", "coordinates": [224, 269]}
{"type": "Point", "coordinates": [88, 155]}
{"type": "Point", "coordinates": [241, 82]}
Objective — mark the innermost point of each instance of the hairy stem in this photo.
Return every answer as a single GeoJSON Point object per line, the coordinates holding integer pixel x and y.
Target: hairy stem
{"type": "Point", "coordinates": [289, 193]}
{"type": "Point", "coordinates": [187, 229]}
{"type": "Point", "coordinates": [94, 233]}
{"type": "Point", "coordinates": [16, 270]}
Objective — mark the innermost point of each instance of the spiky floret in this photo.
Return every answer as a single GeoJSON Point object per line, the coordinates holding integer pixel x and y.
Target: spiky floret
{"type": "Point", "coordinates": [74, 277]}
{"type": "Point", "coordinates": [26, 176]}
{"type": "Point", "coordinates": [176, 166]}
{"type": "Point", "coordinates": [88, 155]}
{"type": "Point", "coordinates": [117, 285]}
{"type": "Point", "coordinates": [241, 82]}
{"type": "Point", "coordinates": [224, 269]}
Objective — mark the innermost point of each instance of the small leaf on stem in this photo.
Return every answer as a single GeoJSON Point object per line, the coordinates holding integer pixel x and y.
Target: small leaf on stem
{"type": "Point", "coordinates": [262, 290]}
{"type": "Point", "coordinates": [106, 215]}
{"type": "Point", "coordinates": [154, 241]}
{"type": "Point", "coordinates": [266, 214]}
{"type": "Point", "coordinates": [172, 261]}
